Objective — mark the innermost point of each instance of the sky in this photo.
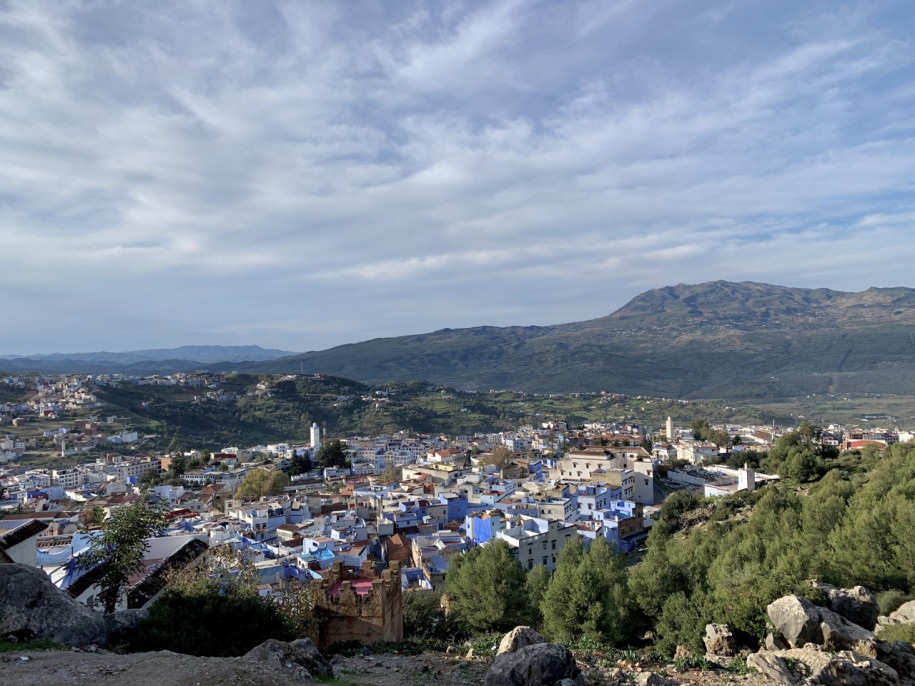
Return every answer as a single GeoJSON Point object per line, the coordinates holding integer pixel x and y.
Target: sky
{"type": "Point", "coordinates": [300, 175]}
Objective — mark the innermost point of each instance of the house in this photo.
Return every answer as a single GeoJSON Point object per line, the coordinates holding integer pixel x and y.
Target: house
{"type": "Point", "coordinates": [18, 542]}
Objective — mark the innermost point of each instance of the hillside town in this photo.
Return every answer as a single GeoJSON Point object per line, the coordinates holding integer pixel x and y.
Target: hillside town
{"type": "Point", "coordinates": [385, 520]}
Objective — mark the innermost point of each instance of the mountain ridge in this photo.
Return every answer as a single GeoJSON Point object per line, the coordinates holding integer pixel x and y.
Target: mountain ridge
{"type": "Point", "coordinates": [718, 339]}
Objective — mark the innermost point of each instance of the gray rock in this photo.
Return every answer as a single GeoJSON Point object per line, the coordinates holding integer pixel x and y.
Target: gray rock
{"type": "Point", "coordinates": [519, 637]}
{"type": "Point", "coordinates": [841, 634]}
{"type": "Point", "coordinates": [365, 652]}
{"type": "Point", "coordinates": [301, 653]}
{"type": "Point", "coordinates": [904, 614]}
{"type": "Point", "coordinates": [771, 666]}
{"type": "Point", "coordinates": [652, 679]}
{"type": "Point", "coordinates": [797, 619]}
{"type": "Point", "coordinates": [898, 655]}
{"type": "Point", "coordinates": [844, 668]}
{"type": "Point", "coordinates": [858, 605]}
{"type": "Point", "coordinates": [543, 664]}
{"type": "Point", "coordinates": [32, 606]}
{"type": "Point", "coordinates": [719, 640]}
{"type": "Point", "coordinates": [773, 643]}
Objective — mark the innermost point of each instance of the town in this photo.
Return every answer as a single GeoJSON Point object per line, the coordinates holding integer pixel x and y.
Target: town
{"type": "Point", "coordinates": [380, 517]}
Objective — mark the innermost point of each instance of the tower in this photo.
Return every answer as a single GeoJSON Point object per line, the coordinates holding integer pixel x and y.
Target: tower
{"type": "Point", "coordinates": [746, 479]}
{"type": "Point", "coordinates": [670, 430]}
{"type": "Point", "coordinates": [315, 436]}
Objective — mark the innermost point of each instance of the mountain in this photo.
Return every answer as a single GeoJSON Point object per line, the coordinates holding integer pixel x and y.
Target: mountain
{"type": "Point", "coordinates": [150, 361]}
{"type": "Point", "coordinates": [718, 339]}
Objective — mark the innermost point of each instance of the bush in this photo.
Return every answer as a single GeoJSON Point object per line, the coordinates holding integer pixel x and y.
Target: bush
{"type": "Point", "coordinates": [424, 617]}
{"type": "Point", "coordinates": [899, 632]}
{"type": "Point", "coordinates": [206, 620]}
{"type": "Point", "coordinates": [889, 601]}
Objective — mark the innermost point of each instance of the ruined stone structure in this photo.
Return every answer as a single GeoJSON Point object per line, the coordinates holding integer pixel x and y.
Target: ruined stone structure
{"type": "Point", "coordinates": [360, 605]}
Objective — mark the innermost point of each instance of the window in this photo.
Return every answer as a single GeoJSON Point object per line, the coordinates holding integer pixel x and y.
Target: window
{"type": "Point", "coordinates": [530, 565]}
{"type": "Point", "coordinates": [554, 545]}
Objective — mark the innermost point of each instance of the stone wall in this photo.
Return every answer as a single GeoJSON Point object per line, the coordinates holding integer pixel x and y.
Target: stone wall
{"type": "Point", "coordinates": [373, 615]}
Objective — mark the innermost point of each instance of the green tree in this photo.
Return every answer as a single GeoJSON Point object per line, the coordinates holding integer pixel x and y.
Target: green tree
{"type": "Point", "coordinates": [117, 551]}
{"type": "Point", "coordinates": [587, 596]}
{"type": "Point", "coordinates": [261, 482]}
{"type": "Point", "coordinates": [299, 464]}
{"type": "Point", "coordinates": [229, 615]}
{"type": "Point", "coordinates": [536, 584]}
{"type": "Point", "coordinates": [700, 429]}
{"type": "Point", "coordinates": [486, 588]}
{"type": "Point", "coordinates": [331, 454]}
{"type": "Point", "coordinates": [500, 457]}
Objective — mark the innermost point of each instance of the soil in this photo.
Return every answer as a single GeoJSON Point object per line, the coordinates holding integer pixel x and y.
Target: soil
{"type": "Point", "coordinates": [172, 669]}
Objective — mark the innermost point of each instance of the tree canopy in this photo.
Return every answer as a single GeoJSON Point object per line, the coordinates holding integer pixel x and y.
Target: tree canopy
{"type": "Point", "coordinates": [260, 482]}
{"type": "Point", "coordinates": [486, 588]}
{"type": "Point", "coordinates": [331, 454]}
{"type": "Point", "coordinates": [116, 551]}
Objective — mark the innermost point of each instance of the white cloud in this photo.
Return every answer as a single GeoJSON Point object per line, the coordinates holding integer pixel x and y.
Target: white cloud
{"type": "Point", "coordinates": [423, 164]}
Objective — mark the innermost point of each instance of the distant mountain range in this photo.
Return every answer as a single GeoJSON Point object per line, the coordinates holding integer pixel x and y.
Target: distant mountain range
{"type": "Point", "coordinates": [712, 340]}
{"type": "Point", "coordinates": [163, 359]}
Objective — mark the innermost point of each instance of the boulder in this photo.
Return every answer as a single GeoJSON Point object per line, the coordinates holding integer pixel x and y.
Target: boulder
{"type": "Point", "coordinates": [858, 605]}
{"type": "Point", "coordinates": [31, 605]}
{"type": "Point", "coordinates": [652, 679]}
{"type": "Point", "coordinates": [840, 634]}
{"type": "Point", "coordinates": [542, 664]}
{"type": "Point", "coordinates": [301, 654]}
{"type": "Point", "coordinates": [905, 614]}
{"type": "Point", "coordinates": [519, 637]}
{"type": "Point", "coordinates": [719, 640]}
{"type": "Point", "coordinates": [771, 666]}
{"type": "Point", "coordinates": [898, 655]}
{"type": "Point", "coordinates": [773, 643]}
{"type": "Point", "coordinates": [797, 619]}
{"type": "Point", "coordinates": [844, 668]}
{"type": "Point", "coordinates": [682, 652]}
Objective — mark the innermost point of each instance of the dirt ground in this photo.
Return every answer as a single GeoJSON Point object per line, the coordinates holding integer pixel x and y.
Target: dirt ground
{"type": "Point", "coordinates": [171, 669]}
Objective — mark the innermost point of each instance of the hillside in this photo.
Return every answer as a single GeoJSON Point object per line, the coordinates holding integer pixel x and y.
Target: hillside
{"type": "Point", "coordinates": [150, 361]}
{"type": "Point", "coordinates": [727, 340]}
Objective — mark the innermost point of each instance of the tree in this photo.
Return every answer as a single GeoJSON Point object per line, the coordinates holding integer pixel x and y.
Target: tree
{"type": "Point", "coordinates": [500, 457]}
{"type": "Point", "coordinates": [392, 473]}
{"type": "Point", "coordinates": [260, 482]}
{"type": "Point", "coordinates": [536, 584]}
{"type": "Point", "coordinates": [587, 595]}
{"type": "Point", "coordinates": [331, 454]}
{"type": "Point", "coordinates": [299, 464]}
{"type": "Point", "coordinates": [117, 551]}
{"type": "Point", "coordinates": [486, 588]}
{"type": "Point", "coordinates": [700, 429]}
{"type": "Point", "coordinates": [229, 615]}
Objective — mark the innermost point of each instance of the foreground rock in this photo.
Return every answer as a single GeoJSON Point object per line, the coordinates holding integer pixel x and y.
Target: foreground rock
{"type": "Point", "coordinates": [720, 645]}
{"type": "Point", "coordinates": [816, 666]}
{"type": "Point", "coordinates": [858, 605]}
{"type": "Point", "coordinates": [543, 664]}
{"type": "Point", "coordinates": [519, 637]}
{"type": "Point", "coordinates": [31, 606]}
{"type": "Point", "coordinates": [797, 619]}
{"type": "Point", "coordinates": [301, 656]}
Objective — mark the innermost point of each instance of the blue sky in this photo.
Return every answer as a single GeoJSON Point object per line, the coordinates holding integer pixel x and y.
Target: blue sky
{"type": "Point", "coordinates": [304, 174]}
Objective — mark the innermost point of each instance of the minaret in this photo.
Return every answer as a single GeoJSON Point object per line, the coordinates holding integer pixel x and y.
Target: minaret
{"type": "Point", "coordinates": [315, 436]}
{"type": "Point", "coordinates": [670, 430]}
{"type": "Point", "coordinates": [746, 479]}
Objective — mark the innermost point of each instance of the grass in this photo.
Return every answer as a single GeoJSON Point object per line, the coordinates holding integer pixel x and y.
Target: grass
{"type": "Point", "coordinates": [34, 644]}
